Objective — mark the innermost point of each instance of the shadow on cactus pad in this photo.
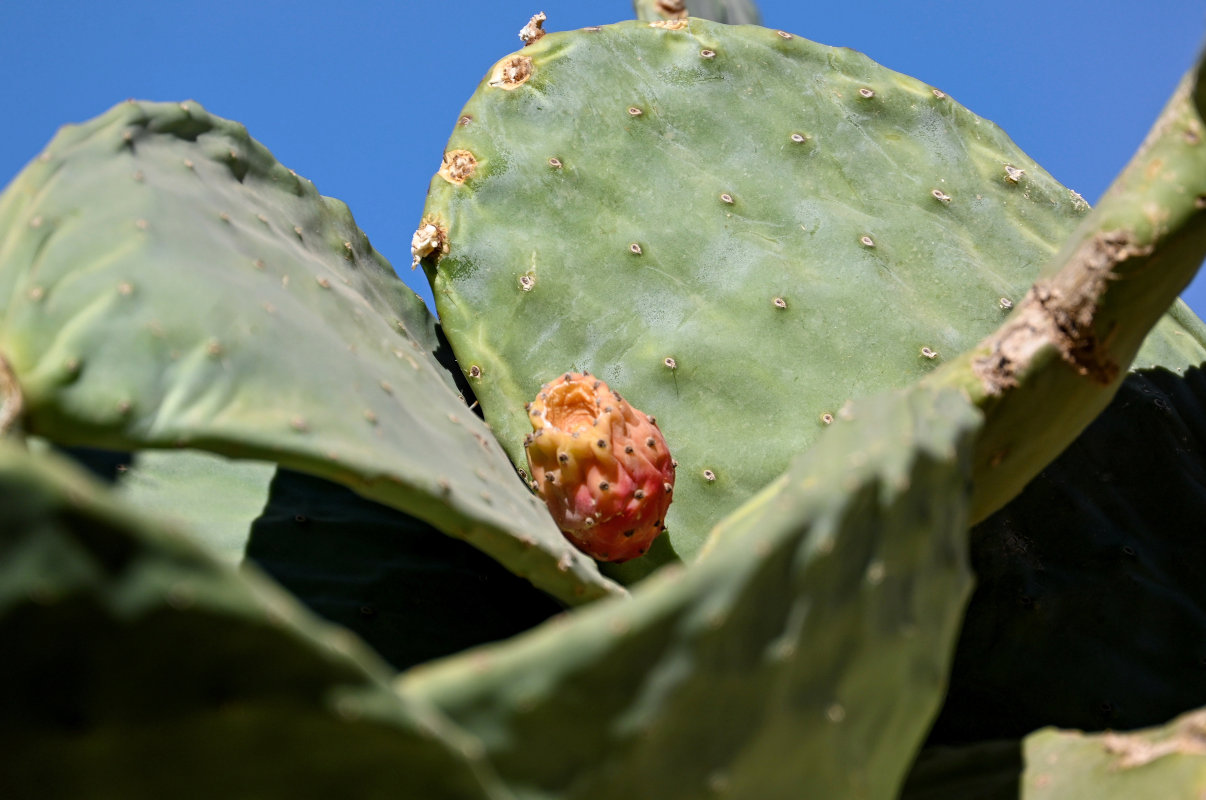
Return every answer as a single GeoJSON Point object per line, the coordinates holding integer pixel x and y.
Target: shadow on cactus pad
{"type": "Point", "coordinates": [408, 590]}
{"type": "Point", "coordinates": [979, 771]}
{"type": "Point", "coordinates": [1090, 608]}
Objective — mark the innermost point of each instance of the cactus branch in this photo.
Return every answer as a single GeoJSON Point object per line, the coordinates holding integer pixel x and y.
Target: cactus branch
{"type": "Point", "coordinates": [1060, 313]}
{"type": "Point", "coordinates": [1084, 319]}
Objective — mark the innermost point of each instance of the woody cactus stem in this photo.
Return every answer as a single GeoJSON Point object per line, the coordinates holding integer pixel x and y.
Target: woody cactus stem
{"type": "Point", "coordinates": [1083, 320]}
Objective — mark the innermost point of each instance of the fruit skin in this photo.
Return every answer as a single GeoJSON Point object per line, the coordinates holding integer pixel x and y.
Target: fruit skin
{"type": "Point", "coordinates": [602, 467]}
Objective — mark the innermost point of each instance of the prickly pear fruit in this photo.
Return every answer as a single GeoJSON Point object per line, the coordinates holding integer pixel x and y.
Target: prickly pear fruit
{"type": "Point", "coordinates": [601, 465]}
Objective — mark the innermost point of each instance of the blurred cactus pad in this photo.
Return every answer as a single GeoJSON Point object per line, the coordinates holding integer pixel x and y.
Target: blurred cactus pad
{"type": "Point", "coordinates": [737, 228]}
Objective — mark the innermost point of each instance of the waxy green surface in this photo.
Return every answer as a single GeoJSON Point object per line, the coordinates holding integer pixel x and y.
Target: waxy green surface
{"type": "Point", "coordinates": [803, 656]}
{"type": "Point", "coordinates": [811, 227]}
{"type": "Point", "coordinates": [165, 282]}
{"type": "Point", "coordinates": [1168, 761]}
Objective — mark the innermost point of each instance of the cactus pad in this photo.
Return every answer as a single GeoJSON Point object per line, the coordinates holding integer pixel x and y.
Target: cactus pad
{"type": "Point", "coordinates": [406, 589]}
{"type": "Point", "coordinates": [736, 228]}
{"type": "Point", "coordinates": [165, 282]}
{"type": "Point", "coordinates": [802, 656]}
{"type": "Point", "coordinates": [1169, 761]}
{"type": "Point", "coordinates": [137, 665]}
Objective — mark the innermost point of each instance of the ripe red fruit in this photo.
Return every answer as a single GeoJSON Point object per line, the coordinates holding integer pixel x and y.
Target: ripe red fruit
{"type": "Point", "coordinates": [601, 466]}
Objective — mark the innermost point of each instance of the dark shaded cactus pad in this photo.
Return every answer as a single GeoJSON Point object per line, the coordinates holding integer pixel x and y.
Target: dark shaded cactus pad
{"type": "Point", "coordinates": [399, 584]}
{"type": "Point", "coordinates": [980, 771]}
{"type": "Point", "coordinates": [1090, 607]}
{"type": "Point", "coordinates": [736, 228]}
{"type": "Point", "coordinates": [136, 665]}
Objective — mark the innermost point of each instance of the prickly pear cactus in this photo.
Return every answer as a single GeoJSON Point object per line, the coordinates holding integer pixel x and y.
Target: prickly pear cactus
{"type": "Point", "coordinates": [805, 651]}
{"type": "Point", "coordinates": [180, 485]}
{"type": "Point", "coordinates": [715, 221]}
{"type": "Point", "coordinates": [1088, 608]}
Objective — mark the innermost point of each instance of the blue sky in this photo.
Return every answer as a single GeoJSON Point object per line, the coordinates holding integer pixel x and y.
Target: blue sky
{"type": "Point", "coordinates": [361, 100]}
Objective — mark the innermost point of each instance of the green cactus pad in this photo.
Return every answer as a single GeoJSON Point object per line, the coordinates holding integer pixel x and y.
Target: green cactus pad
{"type": "Point", "coordinates": [792, 224]}
{"type": "Point", "coordinates": [215, 498]}
{"type": "Point", "coordinates": [137, 665]}
{"type": "Point", "coordinates": [1098, 307]}
{"type": "Point", "coordinates": [165, 282]}
{"type": "Point", "coordinates": [1166, 762]}
{"type": "Point", "coordinates": [1089, 610]}
{"type": "Point", "coordinates": [803, 656]}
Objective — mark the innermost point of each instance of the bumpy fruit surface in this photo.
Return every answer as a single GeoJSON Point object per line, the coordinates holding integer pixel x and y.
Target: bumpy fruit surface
{"type": "Point", "coordinates": [601, 465]}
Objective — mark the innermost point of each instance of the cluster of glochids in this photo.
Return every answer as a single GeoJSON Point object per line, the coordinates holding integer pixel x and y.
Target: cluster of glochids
{"type": "Point", "coordinates": [601, 466]}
